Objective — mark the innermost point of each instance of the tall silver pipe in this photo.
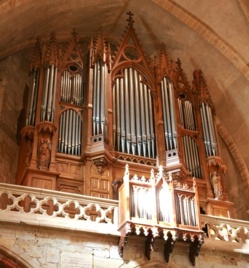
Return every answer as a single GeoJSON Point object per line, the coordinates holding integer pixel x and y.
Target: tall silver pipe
{"type": "Point", "coordinates": [44, 95]}
{"type": "Point", "coordinates": [98, 96]}
{"type": "Point", "coordinates": [34, 103]}
{"type": "Point", "coordinates": [147, 123]}
{"type": "Point", "coordinates": [173, 115]}
{"type": "Point", "coordinates": [70, 132]}
{"type": "Point", "coordinates": [50, 94]}
{"type": "Point", "coordinates": [142, 103]}
{"type": "Point", "coordinates": [118, 114]}
{"type": "Point", "coordinates": [62, 132]}
{"type": "Point", "coordinates": [94, 99]}
{"type": "Point", "coordinates": [210, 120]}
{"type": "Point", "coordinates": [169, 131]}
{"type": "Point", "coordinates": [164, 104]}
{"type": "Point", "coordinates": [122, 114]}
{"type": "Point", "coordinates": [127, 112]}
{"type": "Point", "coordinates": [66, 130]}
{"type": "Point", "coordinates": [54, 94]}
{"type": "Point", "coordinates": [73, 132]}
{"type": "Point", "coordinates": [77, 133]}
{"type": "Point", "coordinates": [153, 149]}
{"type": "Point", "coordinates": [132, 110]}
{"type": "Point", "coordinates": [204, 130]}
{"type": "Point", "coordinates": [209, 135]}
{"type": "Point", "coordinates": [137, 112]}
{"type": "Point", "coordinates": [102, 98]}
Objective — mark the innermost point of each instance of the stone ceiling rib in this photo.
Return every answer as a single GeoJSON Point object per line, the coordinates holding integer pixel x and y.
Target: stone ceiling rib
{"type": "Point", "coordinates": [245, 8]}
{"type": "Point", "coordinates": [207, 33]}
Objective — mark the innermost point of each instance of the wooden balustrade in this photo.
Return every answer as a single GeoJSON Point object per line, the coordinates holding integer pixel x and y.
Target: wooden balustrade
{"type": "Point", "coordinates": [35, 206]}
{"type": "Point", "coordinates": [57, 209]}
{"type": "Point", "coordinates": [159, 207]}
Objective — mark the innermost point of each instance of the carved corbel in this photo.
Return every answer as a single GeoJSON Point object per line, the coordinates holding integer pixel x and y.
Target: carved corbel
{"type": "Point", "coordinates": [194, 248]}
{"type": "Point", "coordinates": [148, 244]}
{"type": "Point", "coordinates": [100, 163]}
{"type": "Point", "coordinates": [168, 247]}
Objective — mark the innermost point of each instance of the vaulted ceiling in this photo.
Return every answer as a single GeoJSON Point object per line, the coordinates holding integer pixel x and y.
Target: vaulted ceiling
{"type": "Point", "coordinates": [208, 35]}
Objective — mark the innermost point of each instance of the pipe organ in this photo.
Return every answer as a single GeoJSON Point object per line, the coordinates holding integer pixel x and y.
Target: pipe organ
{"type": "Point", "coordinates": [91, 113]}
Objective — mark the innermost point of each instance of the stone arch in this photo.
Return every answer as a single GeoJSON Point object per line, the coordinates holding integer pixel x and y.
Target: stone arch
{"type": "Point", "coordinates": [9, 259]}
{"type": "Point", "coordinates": [207, 33]}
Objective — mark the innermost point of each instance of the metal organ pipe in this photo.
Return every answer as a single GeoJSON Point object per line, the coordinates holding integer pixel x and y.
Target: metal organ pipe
{"type": "Point", "coordinates": [97, 94]}
{"type": "Point", "coordinates": [45, 94]}
{"type": "Point", "coordinates": [173, 115]}
{"type": "Point", "coordinates": [122, 115]}
{"type": "Point", "coordinates": [127, 112]}
{"type": "Point", "coordinates": [30, 119]}
{"type": "Point", "coordinates": [208, 129]}
{"type": "Point", "coordinates": [191, 156]}
{"type": "Point", "coordinates": [148, 136]}
{"type": "Point", "coordinates": [205, 133]}
{"type": "Point", "coordinates": [70, 133]}
{"type": "Point", "coordinates": [143, 134]}
{"type": "Point", "coordinates": [138, 114]}
{"type": "Point", "coordinates": [99, 117]}
{"type": "Point", "coordinates": [49, 89]}
{"type": "Point", "coordinates": [169, 114]}
{"type": "Point", "coordinates": [132, 112]}
{"type": "Point", "coordinates": [134, 124]}
{"type": "Point", "coordinates": [50, 93]}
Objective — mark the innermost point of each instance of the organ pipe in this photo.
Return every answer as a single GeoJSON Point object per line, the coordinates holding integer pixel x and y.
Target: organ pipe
{"type": "Point", "coordinates": [30, 119]}
{"type": "Point", "coordinates": [169, 114]}
{"type": "Point", "coordinates": [208, 130]}
{"type": "Point", "coordinates": [72, 88]}
{"type": "Point", "coordinates": [186, 115]}
{"type": "Point", "coordinates": [99, 92]}
{"type": "Point", "coordinates": [133, 115]}
{"type": "Point", "coordinates": [191, 156]}
{"type": "Point", "coordinates": [70, 133]}
{"type": "Point", "coordinates": [49, 90]}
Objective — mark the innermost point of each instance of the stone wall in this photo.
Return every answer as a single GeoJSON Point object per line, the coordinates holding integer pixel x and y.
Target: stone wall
{"type": "Point", "coordinates": [14, 83]}
{"type": "Point", "coordinates": [40, 247]}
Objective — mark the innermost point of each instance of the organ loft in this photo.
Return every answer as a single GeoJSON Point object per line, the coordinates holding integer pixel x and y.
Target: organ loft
{"type": "Point", "coordinates": [106, 121]}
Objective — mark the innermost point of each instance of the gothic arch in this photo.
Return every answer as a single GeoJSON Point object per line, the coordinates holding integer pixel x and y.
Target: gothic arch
{"type": "Point", "coordinates": [9, 259]}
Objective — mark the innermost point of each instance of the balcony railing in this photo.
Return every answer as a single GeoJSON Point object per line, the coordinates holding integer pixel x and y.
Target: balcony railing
{"type": "Point", "coordinates": [34, 206]}
{"type": "Point", "coordinates": [58, 209]}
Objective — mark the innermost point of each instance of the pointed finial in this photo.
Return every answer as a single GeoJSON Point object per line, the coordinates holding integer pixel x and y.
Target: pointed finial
{"type": "Point", "coordinates": [130, 19]}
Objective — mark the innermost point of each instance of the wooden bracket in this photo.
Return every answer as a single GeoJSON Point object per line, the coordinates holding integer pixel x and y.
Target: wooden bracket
{"type": "Point", "coordinates": [168, 247]}
{"type": "Point", "coordinates": [194, 249]}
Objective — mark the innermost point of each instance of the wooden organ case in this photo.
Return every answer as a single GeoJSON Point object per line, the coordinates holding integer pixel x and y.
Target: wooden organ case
{"type": "Point", "coordinates": [91, 114]}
